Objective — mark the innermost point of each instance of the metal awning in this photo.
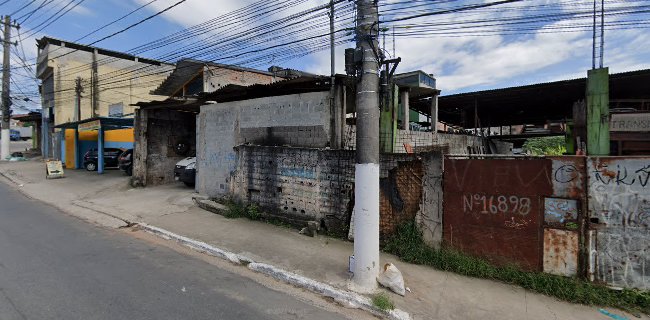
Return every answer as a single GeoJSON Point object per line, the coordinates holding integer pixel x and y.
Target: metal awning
{"type": "Point", "coordinates": [106, 123]}
{"type": "Point", "coordinates": [100, 124]}
{"type": "Point", "coordinates": [534, 104]}
{"type": "Point", "coordinates": [183, 105]}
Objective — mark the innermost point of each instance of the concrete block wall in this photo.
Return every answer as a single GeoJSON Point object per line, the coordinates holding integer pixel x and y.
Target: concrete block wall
{"type": "Point", "coordinates": [423, 141]}
{"type": "Point", "coordinates": [299, 120]}
{"type": "Point", "coordinates": [303, 184]}
{"type": "Point", "coordinates": [157, 132]}
{"type": "Point", "coordinates": [296, 184]}
{"type": "Point", "coordinates": [466, 144]}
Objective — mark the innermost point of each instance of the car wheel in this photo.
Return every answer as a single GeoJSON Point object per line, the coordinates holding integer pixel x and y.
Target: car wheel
{"type": "Point", "coordinates": [91, 166]}
{"type": "Point", "coordinates": [129, 171]}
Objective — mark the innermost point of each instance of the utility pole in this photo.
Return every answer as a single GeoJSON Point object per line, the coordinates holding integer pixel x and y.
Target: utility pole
{"type": "Point", "coordinates": [6, 100]}
{"type": "Point", "coordinates": [78, 89]}
{"type": "Point", "coordinates": [94, 87]}
{"type": "Point", "coordinates": [366, 177]}
{"type": "Point", "coordinates": [333, 57]}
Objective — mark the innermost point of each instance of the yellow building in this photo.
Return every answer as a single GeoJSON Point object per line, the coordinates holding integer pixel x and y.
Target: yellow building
{"type": "Point", "coordinates": [81, 82]}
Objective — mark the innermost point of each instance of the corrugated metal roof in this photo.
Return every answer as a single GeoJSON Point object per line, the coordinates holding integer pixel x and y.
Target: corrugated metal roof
{"type": "Point", "coordinates": [285, 87]}
{"type": "Point", "coordinates": [533, 104]}
{"type": "Point", "coordinates": [188, 69]}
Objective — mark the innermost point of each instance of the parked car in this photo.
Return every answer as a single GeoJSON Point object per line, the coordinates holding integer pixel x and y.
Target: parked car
{"type": "Point", "coordinates": [111, 156]}
{"type": "Point", "coordinates": [185, 171]}
{"type": "Point", "coordinates": [14, 135]}
{"type": "Point", "coordinates": [125, 161]}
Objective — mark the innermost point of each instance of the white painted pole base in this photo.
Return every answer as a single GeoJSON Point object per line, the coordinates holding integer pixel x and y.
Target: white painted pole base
{"type": "Point", "coordinates": [4, 144]}
{"type": "Point", "coordinates": [366, 228]}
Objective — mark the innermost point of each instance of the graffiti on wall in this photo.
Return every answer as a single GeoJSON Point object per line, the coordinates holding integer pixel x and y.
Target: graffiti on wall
{"type": "Point", "coordinates": [620, 202]}
{"type": "Point", "coordinates": [558, 211]}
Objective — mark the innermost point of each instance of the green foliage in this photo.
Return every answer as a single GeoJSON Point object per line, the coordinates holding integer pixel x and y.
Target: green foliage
{"type": "Point", "coordinates": [571, 226]}
{"type": "Point", "coordinates": [382, 302]}
{"type": "Point", "coordinates": [549, 146]}
{"type": "Point", "coordinates": [252, 212]}
{"type": "Point", "coordinates": [237, 210]}
{"type": "Point", "coordinates": [409, 245]}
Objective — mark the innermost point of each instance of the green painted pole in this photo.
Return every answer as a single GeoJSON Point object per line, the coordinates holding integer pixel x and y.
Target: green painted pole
{"type": "Point", "coordinates": [598, 112]}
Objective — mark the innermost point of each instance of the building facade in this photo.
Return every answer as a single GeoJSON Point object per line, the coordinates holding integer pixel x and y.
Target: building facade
{"type": "Point", "coordinates": [80, 82]}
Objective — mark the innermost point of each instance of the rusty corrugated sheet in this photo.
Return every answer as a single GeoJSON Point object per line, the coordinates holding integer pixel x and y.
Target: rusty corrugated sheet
{"type": "Point", "coordinates": [494, 208]}
{"type": "Point", "coordinates": [568, 176]}
{"type": "Point", "coordinates": [561, 252]}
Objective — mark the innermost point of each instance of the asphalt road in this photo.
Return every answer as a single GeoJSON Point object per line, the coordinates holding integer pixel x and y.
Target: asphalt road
{"type": "Point", "coordinates": [53, 266]}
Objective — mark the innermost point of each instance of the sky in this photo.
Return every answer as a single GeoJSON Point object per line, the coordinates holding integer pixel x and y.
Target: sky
{"type": "Point", "coordinates": [521, 43]}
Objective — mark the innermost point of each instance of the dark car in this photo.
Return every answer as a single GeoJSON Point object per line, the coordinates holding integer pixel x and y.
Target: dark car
{"type": "Point", "coordinates": [185, 171]}
{"type": "Point", "coordinates": [125, 161]}
{"type": "Point", "coordinates": [111, 156]}
{"type": "Point", "coordinates": [14, 135]}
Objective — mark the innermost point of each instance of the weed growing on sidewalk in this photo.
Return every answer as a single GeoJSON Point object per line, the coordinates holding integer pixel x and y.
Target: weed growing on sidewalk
{"type": "Point", "coordinates": [409, 245]}
{"type": "Point", "coordinates": [382, 301]}
{"type": "Point", "coordinates": [237, 210]}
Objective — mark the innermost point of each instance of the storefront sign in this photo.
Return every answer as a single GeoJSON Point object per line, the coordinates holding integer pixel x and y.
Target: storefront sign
{"type": "Point", "coordinates": [89, 126]}
{"type": "Point", "coordinates": [53, 169]}
{"type": "Point", "coordinates": [630, 122]}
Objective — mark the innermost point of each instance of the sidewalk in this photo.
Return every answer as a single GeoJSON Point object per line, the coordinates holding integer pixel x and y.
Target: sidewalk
{"type": "Point", "coordinates": [435, 294]}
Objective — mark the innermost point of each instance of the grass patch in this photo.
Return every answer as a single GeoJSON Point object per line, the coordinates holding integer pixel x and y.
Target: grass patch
{"type": "Point", "coordinates": [382, 302]}
{"type": "Point", "coordinates": [409, 245]}
{"type": "Point", "coordinates": [236, 210]}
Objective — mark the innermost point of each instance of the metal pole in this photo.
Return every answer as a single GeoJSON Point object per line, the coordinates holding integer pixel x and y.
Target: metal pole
{"type": "Point", "coordinates": [100, 150]}
{"type": "Point", "coordinates": [366, 179]}
{"type": "Point", "coordinates": [6, 100]}
{"type": "Point", "coordinates": [333, 59]}
{"type": "Point", "coordinates": [593, 49]}
{"type": "Point", "coordinates": [602, 32]}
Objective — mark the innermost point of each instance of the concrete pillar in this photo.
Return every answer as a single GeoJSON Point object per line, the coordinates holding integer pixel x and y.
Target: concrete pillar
{"type": "Point", "coordinates": [404, 101]}
{"type": "Point", "coordinates": [139, 158]}
{"type": "Point", "coordinates": [100, 151]}
{"type": "Point", "coordinates": [434, 112]}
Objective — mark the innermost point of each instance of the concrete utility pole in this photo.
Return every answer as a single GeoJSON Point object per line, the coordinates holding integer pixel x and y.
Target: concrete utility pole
{"type": "Point", "coordinates": [366, 177]}
{"type": "Point", "coordinates": [94, 87]}
{"type": "Point", "coordinates": [78, 89]}
{"type": "Point", "coordinates": [6, 99]}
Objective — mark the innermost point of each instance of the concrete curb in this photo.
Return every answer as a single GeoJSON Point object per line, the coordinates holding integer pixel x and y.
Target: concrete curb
{"type": "Point", "coordinates": [12, 178]}
{"type": "Point", "coordinates": [346, 298]}
{"type": "Point", "coordinates": [210, 205]}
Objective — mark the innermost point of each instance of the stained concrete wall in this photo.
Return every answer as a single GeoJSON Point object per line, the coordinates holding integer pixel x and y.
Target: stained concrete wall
{"type": "Point", "coordinates": [619, 207]}
{"type": "Point", "coordinates": [296, 184]}
{"type": "Point", "coordinates": [305, 184]}
{"type": "Point", "coordinates": [429, 217]}
{"type": "Point", "coordinates": [299, 120]}
{"type": "Point", "coordinates": [157, 132]}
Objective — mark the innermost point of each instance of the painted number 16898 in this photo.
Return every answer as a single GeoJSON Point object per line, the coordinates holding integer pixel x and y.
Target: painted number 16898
{"type": "Point", "coordinates": [496, 204]}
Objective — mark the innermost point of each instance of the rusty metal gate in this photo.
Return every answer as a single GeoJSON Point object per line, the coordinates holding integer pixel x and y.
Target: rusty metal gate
{"type": "Point", "coordinates": [522, 211]}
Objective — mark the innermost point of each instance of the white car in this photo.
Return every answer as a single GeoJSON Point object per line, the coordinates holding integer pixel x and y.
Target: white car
{"type": "Point", "coordinates": [185, 171]}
